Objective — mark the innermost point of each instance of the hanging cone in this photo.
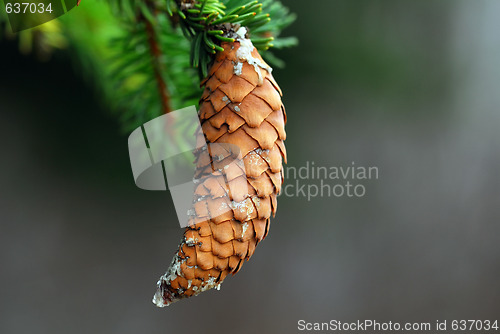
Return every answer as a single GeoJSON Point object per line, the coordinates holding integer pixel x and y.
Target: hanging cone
{"type": "Point", "coordinates": [241, 105]}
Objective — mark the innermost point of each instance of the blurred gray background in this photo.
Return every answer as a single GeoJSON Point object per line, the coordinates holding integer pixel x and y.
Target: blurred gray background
{"type": "Point", "coordinates": [411, 87]}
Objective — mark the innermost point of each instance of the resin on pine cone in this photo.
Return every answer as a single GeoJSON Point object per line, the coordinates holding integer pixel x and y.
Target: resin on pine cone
{"type": "Point", "coordinates": [240, 107]}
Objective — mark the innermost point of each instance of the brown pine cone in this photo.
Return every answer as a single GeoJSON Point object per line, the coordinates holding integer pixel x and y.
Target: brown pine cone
{"type": "Point", "coordinates": [241, 105]}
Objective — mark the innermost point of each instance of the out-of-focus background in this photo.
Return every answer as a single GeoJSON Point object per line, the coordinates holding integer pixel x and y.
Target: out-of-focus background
{"type": "Point", "coordinates": [411, 87]}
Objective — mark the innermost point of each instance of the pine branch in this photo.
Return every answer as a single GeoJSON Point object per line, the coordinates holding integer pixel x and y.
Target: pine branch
{"type": "Point", "coordinates": [136, 53]}
{"type": "Point", "coordinates": [156, 54]}
{"type": "Point", "coordinates": [151, 57]}
{"type": "Point", "coordinates": [207, 23]}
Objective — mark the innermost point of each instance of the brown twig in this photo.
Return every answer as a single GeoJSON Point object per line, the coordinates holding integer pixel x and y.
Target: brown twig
{"type": "Point", "coordinates": [156, 54]}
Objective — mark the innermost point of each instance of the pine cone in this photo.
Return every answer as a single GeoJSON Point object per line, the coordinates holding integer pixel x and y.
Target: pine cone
{"type": "Point", "coordinates": [241, 105]}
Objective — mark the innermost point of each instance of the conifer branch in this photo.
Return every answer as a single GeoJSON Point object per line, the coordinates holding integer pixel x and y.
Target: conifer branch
{"type": "Point", "coordinates": [208, 23]}
{"type": "Point", "coordinates": [156, 54]}
{"type": "Point", "coordinates": [141, 52]}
